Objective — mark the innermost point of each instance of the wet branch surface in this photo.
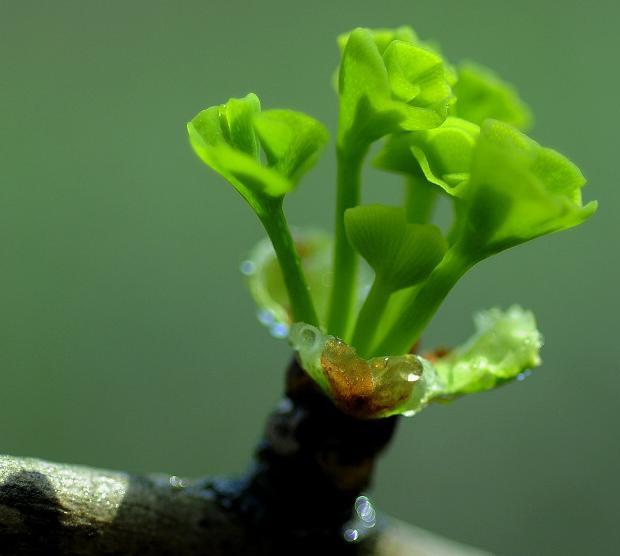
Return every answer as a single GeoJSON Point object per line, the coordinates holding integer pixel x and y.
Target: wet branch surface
{"type": "Point", "coordinates": [302, 495]}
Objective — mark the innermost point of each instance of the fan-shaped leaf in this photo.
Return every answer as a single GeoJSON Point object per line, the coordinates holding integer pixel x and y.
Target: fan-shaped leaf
{"type": "Point", "coordinates": [401, 254]}
{"type": "Point", "coordinates": [292, 141]}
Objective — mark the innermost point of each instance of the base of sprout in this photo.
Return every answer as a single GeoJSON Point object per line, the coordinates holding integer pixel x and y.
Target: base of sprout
{"type": "Point", "coordinates": [364, 388]}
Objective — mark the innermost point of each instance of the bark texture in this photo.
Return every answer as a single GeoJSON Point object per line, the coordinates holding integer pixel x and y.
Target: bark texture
{"type": "Point", "coordinates": [302, 495]}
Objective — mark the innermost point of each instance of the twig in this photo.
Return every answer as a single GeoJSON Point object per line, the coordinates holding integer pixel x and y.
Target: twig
{"type": "Point", "coordinates": [303, 495]}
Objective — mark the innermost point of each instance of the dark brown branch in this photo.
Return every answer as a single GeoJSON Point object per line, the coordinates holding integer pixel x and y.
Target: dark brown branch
{"type": "Point", "coordinates": [57, 509]}
{"type": "Point", "coordinates": [302, 495]}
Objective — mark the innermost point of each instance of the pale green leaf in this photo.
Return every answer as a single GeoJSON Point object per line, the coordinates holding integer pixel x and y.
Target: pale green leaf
{"type": "Point", "coordinates": [518, 191]}
{"type": "Point", "coordinates": [506, 344]}
{"type": "Point", "coordinates": [560, 175]}
{"type": "Point", "coordinates": [444, 154]}
{"type": "Point", "coordinates": [292, 141]}
{"type": "Point", "coordinates": [249, 172]}
{"type": "Point", "coordinates": [441, 156]}
{"type": "Point", "coordinates": [383, 37]}
{"type": "Point", "coordinates": [401, 254]}
{"type": "Point", "coordinates": [363, 82]}
{"type": "Point", "coordinates": [417, 77]}
{"type": "Point", "coordinates": [226, 137]}
{"type": "Point", "coordinates": [236, 119]}
{"type": "Point", "coordinates": [481, 94]}
{"type": "Point", "coordinates": [403, 87]}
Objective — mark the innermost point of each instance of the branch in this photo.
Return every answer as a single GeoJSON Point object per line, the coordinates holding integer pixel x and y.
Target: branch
{"type": "Point", "coordinates": [302, 495]}
{"type": "Point", "coordinates": [58, 509]}
{"type": "Point", "coordinates": [49, 508]}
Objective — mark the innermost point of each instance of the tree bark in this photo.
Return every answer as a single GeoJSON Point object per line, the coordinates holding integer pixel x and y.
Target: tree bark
{"type": "Point", "coordinates": [302, 495]}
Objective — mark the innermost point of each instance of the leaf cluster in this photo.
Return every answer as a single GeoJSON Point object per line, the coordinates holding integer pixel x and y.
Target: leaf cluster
{"type": "Point", "coordinates": [452, 131]}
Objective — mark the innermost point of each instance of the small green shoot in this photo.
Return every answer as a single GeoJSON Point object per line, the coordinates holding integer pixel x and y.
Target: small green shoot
{"type": "Point", "coordinates": [451, 133]}
{"type": "Point", "coordinates": [400, 253]}
{"type": "Point", "coordinates": [386, 85]}
{"type": "Point", "coordinates": [228, 139]}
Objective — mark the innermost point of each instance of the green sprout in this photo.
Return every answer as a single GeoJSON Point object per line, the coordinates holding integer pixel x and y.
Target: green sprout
{"type": "Point", "coordinates": [229, 137]}
{"type": "Point", "coordinates": [356, 306]}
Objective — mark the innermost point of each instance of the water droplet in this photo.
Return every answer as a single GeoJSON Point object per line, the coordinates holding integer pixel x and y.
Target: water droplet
{"type": "Point", "coordinates": [285, 405]}
{"type": "Point", "coordinates": [362, 503]}
{"type": "Point", "coordinates": [351, 535]}
{"type": "Point", "coordinates": [177, 482]}
{"type": "Point", "coordinates": [265, 317]}
{"type": "Point", "coordinates": [412, 377]}
{"type": "Point", "coordinates": [309, 337]}
{"type": "Point", "coordinates": [366, 511]}
{"type": "Point", "coordinates": [279, 330]}
{"type": "Point", "coordinates": [247, 268]}
{"type": "Point", "coordinates": [522, 376]}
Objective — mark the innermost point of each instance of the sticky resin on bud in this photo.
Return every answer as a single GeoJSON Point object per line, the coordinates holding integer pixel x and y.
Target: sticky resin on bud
{"type": "Point", "coordinates": [364, 388]}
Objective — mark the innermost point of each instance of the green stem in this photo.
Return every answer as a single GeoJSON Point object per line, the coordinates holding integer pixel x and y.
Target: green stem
{"type": "Point", "coordinates": [423, 304]}
{"type": "Point", "coordinates": [420, 199]}
{"type": "Point", "coordinates": [369, 316]}
{"type": "Point", "coordinates": [395, 304]}
{"type": "Point", "coordinates": [342, 299]}
{"type": "Point", "coordinates": [278, 231]}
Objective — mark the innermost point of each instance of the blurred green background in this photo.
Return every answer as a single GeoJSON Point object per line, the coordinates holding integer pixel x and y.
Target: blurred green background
{"type": "Point", "coordinates": [127, 339]}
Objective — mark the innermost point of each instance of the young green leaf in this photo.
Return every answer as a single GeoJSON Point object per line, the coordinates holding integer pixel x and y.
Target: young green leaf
{"type": "Point", "coordinates": [236, 119]}
{"type": "Point", "coordinates": [383, 37]}
{"type": "Point", "coordinates": [433, 161]}
{"type": "Point", "coordinates": [400, 253]}
{"type": "Point", "coordinates": [226, 138]}
{"type": "Point", "coordinates": [292, 141]}
{"type": "Point", "coordinates": [518, 191]}
{"type": "Point", "coordinates": [481, 94]}
{"type": "Point", "coordinates": [441, 156]}
{"type": "Point", "coordinates": [363, 83]}
{"type": "Point", "coordinates": [506, 344]}
{"type": "Point", "coordinates": [418, 78]}
{"type": "Point", "coordinates": [402, 87]}
{"type": "Point", "coordinates": [223, 137]}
